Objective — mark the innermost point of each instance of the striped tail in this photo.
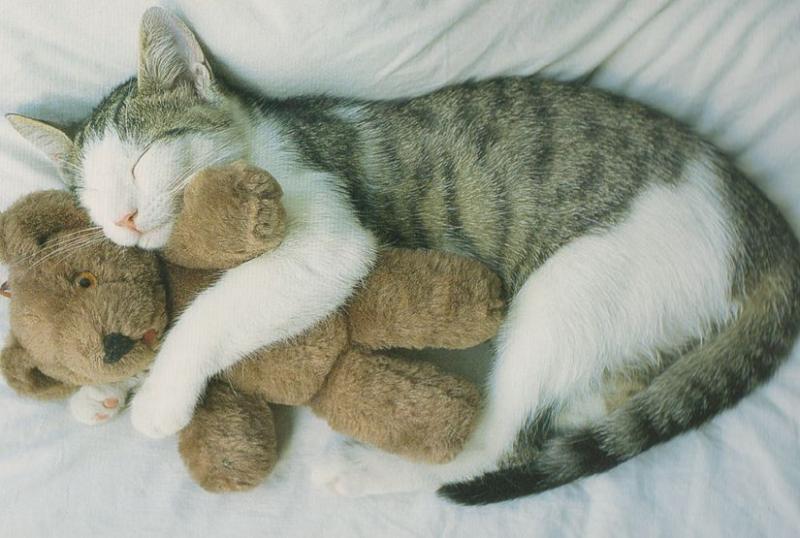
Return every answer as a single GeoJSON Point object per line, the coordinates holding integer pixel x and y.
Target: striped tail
{"type": "Point", "coordinates": [699, 384]}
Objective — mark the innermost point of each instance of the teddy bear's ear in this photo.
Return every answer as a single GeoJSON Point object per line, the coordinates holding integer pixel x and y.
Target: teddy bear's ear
{"type": "Point", "coordinates": [24, 377]}
{"type": "Point", "coordinates": [27, 225]}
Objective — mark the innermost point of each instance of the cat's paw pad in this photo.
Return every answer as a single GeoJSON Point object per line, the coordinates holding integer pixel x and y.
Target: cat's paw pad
{"type": "Point", "coordinates": [96, 404]}
{"type": "Point", "coordinates": [162, 411]}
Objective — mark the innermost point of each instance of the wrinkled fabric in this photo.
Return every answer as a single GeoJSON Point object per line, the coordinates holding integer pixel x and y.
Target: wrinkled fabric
{"type": "Point", "coordinates": [729, 68]}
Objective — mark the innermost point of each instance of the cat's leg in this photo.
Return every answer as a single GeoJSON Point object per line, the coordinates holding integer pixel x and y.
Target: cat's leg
{"type": "Point", "coordinates": [548, 353]}
{"type": "Point", "coordinates": [278, 295]}
{"type": "Point", "coordinates": [657, 281]}
{"type": "Point", "coordinates": [524, 359]}
{"type": "Point", "coordinates": [595, 402]}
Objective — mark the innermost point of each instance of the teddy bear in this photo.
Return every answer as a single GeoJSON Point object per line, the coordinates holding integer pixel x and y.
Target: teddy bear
{"type": "Point", "coordinates": [85, 312]}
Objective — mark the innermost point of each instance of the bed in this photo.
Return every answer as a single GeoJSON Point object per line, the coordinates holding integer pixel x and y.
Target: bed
{"type": "Point", "coordinates": [730, 68]}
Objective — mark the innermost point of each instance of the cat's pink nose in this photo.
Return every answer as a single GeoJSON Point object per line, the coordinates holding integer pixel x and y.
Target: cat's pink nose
{"type": "Point", "coordinates": [127, 221]}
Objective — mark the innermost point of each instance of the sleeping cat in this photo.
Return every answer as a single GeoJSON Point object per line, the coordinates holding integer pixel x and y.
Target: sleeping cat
{"type": "Point", "coordinates": [627, 245]}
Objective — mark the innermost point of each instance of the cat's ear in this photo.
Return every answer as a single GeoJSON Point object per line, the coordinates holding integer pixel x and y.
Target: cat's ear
{"type": "Point", "coordinates": [52, 141]}
{"type": "Point", "coordinates": [170, 55]}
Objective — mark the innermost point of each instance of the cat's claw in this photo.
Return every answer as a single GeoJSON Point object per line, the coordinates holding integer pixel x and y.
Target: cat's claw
{"type": "Point", "coordinates": [158, 411]}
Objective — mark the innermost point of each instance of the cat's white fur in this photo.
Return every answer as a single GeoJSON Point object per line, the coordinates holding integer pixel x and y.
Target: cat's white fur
{"type": "Point", "coordinates": [273, 297]}
{"type": "Point", "coordinates": [120, 177]}
{"type": "Point", "coordinates": [324, 255]}
{"type": "Point", "coordinates": [654, 281]}
{"type": "Point", "coordinates": [657, 280]}
{"type": "Point", "coordinates": [96, 404]}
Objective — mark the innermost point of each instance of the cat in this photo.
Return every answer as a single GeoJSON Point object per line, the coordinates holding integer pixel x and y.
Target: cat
{"type": "Point", "coordinates": [627, 246]}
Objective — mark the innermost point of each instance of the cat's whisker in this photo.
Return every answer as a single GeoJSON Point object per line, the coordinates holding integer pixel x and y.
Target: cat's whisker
{"type": "Point", "coordinates": [67, 243]}
{"type": "Point", "coordinates": [180, 182]}
{"type": "Point", "coordinates": [72, 166]}
{"type": "Point", "coordinates": [81, 231]}
{"type": "Point", "coordinates": [63, 253]}
{"type": "Point", "coordinates": [64, 241]}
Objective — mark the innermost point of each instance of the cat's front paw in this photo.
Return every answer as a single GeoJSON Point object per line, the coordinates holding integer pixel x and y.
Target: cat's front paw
{"type": "Point", "coordinates": [162, 409]}
{"type": "Point", "coordinates": [96, 404]}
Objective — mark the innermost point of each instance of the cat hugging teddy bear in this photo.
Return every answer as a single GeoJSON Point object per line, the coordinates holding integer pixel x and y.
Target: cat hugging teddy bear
{"type": "Point", "coordinates": [94, 315]}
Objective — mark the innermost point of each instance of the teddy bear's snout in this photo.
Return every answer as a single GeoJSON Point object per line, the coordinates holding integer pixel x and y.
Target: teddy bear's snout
{"type": "Point", "coordinates": [116, 345]}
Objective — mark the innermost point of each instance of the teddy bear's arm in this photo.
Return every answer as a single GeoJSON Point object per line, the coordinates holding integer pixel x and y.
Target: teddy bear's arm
{"type": "Point", "coordinates": [230, 215]}
{"type": "Point", "coordinates": [23, 376]}
{"type": "Point", "coordinates": [422, 298]}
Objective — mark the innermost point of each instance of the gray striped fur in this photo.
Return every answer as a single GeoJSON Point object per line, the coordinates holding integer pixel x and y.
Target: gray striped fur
{"type": "Point", "coordinates": [508, 171]}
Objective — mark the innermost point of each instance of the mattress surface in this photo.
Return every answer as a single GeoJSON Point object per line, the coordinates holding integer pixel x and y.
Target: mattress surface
{"type": "Point", "coordinates": [729, 68]}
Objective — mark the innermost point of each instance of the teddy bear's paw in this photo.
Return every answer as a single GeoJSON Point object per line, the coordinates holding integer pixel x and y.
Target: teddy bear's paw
{"type": "Point", "coordinates": [259, 197]}
{"type": "Point", "coordinates": [158, 411]}
{"type": "Point", "coordinates": [350, 469]}
{"type": "Point", "coordinates": [96, 404]}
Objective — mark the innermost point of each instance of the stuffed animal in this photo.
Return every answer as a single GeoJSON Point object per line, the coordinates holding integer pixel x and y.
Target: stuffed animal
{"type": "Point", "coordinates": [85, 312]}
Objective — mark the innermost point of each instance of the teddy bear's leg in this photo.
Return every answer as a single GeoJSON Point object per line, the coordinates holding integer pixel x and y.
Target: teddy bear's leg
{"type": "Point", "coordinates": [418, 299]}
{"type": "Point", "coordinates": [230, 215]}
{"type": "Point", "coordinates": [409, 408]}
{"type": "Point", "coordinates": [230, 443]}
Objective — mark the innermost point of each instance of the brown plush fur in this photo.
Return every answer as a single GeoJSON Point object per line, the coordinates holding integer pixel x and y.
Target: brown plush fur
{"type": "Point", "coordinates": [429, 420]}
{"type": "Point", "coordinates": [237, 208]}
{"type": "Point", "coordinates": [230, 442]}
{"type": "Point", "coordinates": [416, 299]}
{"type": "Point", "coordinates": [412, 299]}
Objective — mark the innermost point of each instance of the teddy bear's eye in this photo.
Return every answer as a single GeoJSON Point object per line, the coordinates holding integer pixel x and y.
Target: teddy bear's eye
{"type": "Point", "coordinates": [86, 280]}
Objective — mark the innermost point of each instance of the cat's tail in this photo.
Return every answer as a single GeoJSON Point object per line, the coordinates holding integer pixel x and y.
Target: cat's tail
{"type": "Point", "coordinates": [711, 377]}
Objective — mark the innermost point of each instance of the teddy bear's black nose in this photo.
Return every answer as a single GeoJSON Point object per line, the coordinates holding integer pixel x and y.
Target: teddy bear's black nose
{"type": "Point", "coordinates": [116, 345]}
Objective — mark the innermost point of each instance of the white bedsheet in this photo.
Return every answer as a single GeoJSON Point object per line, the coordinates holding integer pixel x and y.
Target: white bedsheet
{"type": "Point", "coordinates": [730, 68]}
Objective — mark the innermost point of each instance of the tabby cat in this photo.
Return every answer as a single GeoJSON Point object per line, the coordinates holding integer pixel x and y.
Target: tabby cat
{"type": "Point", "coordinates": [627, 245]}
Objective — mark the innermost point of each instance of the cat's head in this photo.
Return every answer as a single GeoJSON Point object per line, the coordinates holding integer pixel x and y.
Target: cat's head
{"type": "Point", "coordinates": [129, 162]}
